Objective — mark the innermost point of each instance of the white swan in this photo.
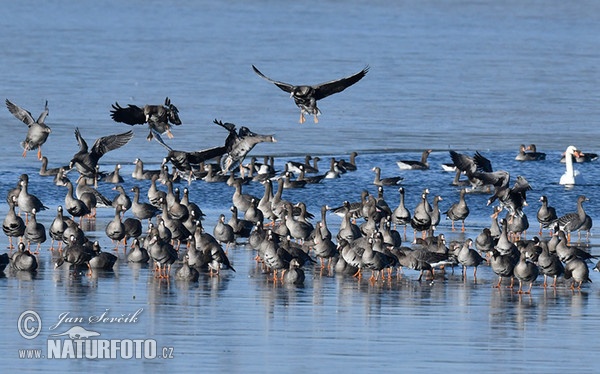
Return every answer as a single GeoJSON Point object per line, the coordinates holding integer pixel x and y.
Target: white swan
{"type": "Point", "coordinates": [571, 176]}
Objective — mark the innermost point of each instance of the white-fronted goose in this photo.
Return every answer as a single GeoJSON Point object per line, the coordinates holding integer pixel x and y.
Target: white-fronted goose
{"type": "Point", "coordinates": [422, 164]}
{"type": "Point", "coordinates": [306, 96]}
{"type": "Point", "coordinates": [38, 131]}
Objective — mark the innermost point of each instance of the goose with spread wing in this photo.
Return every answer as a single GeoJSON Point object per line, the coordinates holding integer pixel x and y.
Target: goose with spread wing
{"type": "Point", "coordinates": [38, 131]}
{"type": "Point", "coordinates": [158, 117]}
{"type": "Point", "coordinates": [86, 159]}
{"type": "Point", "coordinates": [306, 96]}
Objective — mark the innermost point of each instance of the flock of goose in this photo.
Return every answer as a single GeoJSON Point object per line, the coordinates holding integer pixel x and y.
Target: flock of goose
{"type": "Point", "coordinates": [167, 229]}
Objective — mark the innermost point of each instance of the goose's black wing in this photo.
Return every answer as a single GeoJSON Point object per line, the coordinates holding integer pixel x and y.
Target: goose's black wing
{"type": "Point", "coordinates": [284, 86]}
{"type": "Point", "coordinates": [132, 115]}
{"type": "Point", "coordinates": [323, 90]}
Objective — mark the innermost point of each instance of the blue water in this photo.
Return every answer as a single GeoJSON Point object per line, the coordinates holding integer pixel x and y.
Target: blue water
{"type": "Point", "coordinates": [462, 75]}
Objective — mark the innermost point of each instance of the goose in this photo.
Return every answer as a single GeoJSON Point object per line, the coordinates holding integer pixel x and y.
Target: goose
{"type": "Point", "coordinates": [13, 226]}
{"type": "Point", "coordinates": [421, 219]}
{"type": "Point", "coordinates": [140, 173]}
{"type": "Point", "coordinates": [458, 211]}
{"type": "Point", "coordinates": [23, 260]}
{"type": "Point", "coordinates": [121, 199]}
{"type": "Point", "coordinates": [45, 172]}
{"type": "Point", "coordinates": [101, 260]}
{"type": "Point", "coordinates": [26, 201]}
{"type": "Point", "coordinates": [306, 96]}
{"type": "Point", "coordinates": [545, 213]}
{"type": "Point", "coordinates": [571, 221]}
{"type": "Point", "coordinates": [186, 272]}
{"type": "Point", "coordinates": [415, 165]}
{"type": "Point", "coordinates": [533, 154]}
{"type": "Point", "coordinates": [294, 274]}
{"type": "Point", "coordinates": [38, 131]}
{"type": "Point", "coordinates": [503, 266]}
{"type": "Point", "coordinates": [401, 215]}
{"type": "Point", "coordinates": [389, 181]}
{"type": "Point", "coordinates": [86, 160]}
{"type": "Point", "coordinates": [350, 165]}
{"type": "Point", "coordinates": [224, 232]}
{"type": "Point", "coordinates": [137, 254]}
{"type": "Point", "coordinates": [571, 176]}
{"type": "Point", "coordinates": [57, 228]}
{"type": "Point", "coordinates": [35, 232]}
{"type": "Point", "coordinates": [577, 270]}
{"type": "Point", "coordinates": [162, 253]}
{"type": "Point", "coordinates": [114, 176]}
{"type": "Point", "coordinates": [468, 256]}
{"type": "Point", "coordinates": [76, 207]}
{"type": "Point", "coordinates": [525, 271]}
{"type": "Point", "coordinates": [115, 229]}
{"type": "Point", "coordinates": [581, 157]}
{"type": "Point", "coordinates": [142, 210]}
{"type": "Point", "coordinates": [295, 166]}
{"type": "Point", "coordinates": [158, 117]}
{"type": "Point", "coordinates": [529, 153]}
{"type": "Point", "coordinates": [550, 265]}
{"type": "Point", "coordinates": [76, 253]}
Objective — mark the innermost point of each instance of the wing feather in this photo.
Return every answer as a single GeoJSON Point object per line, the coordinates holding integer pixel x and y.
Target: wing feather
{"type": "Point", "coordinates": [323, 90]}
{"type": "Point", "coordinates": [21, 114]}
{"type": "Point", "coordinates": [284, 86]}
{"type": "Point", "coordinates": [132, 115]}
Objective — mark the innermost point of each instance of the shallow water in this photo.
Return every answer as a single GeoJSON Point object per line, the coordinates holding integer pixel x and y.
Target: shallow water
{"type": "Point", "coordinates": [461, 75]}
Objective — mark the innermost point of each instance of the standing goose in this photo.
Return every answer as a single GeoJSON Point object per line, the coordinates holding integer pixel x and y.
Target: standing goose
{"type": "Point", "coordinates": [415, 165]}
{"type": "Point", "coordinates": [503, 266]}
{"type": "Point", "coordinates": [253, 214]}
{"type": "Point", "coordinates": [572, 221]}
{"type": "Point", "coordinates": [121, 199]}
{"type": "Point", "coordinates": [142, 210]}
{"type": "Point", "coordinates": [154, 194]}
{"type": "Point", "coordinates": [546, 213]}
{"type": "Point", "coordinates": [38, 131]}
{"type": "Point", "coordinates": [57, 228]}
{"type": "Point", "coordinates": [115, 229]}
{"type": "Point", "coordinates": [23, 260]}
{"type": "Point", "coordinates": [549, 265]}
{"type": "Point", "coordinates": [401, 215]}
{"type": "Point", "coordinates": [458, 211]}
{"type": "Point", "coordinates": [421, 219]}
{"type": "Point", "coordinates": [35, 232]}
{"type": "Point", "coordinates": [13, 226]}
{"type": "Point", "coordinates": [73, 205]}
{"type": "Point", "coordinates": [162, 253]}
{"type": "Point", "coordinates": [468, 256]}
{"type": "Point", "coordinates": [224, 233]}
{"type": "Point", "coordinates": [76, 254]}
{"type": "Point", "coordinates": [306, 96]}
{"type": "Point", "coordinates": [525, 271]}
{"type": "Point", "coordinates": [241, 227]}
{"type": "Point", "coordinates": [86, 160]}
{"type": "Point", "coordinates": [577, 270]}
{"type": "Point", "coordinates": [26, 201]}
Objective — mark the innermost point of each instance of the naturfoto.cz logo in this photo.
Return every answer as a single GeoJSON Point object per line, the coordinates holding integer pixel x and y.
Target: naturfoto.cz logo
{"type": "Point", "coordinates": [78, 342]}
